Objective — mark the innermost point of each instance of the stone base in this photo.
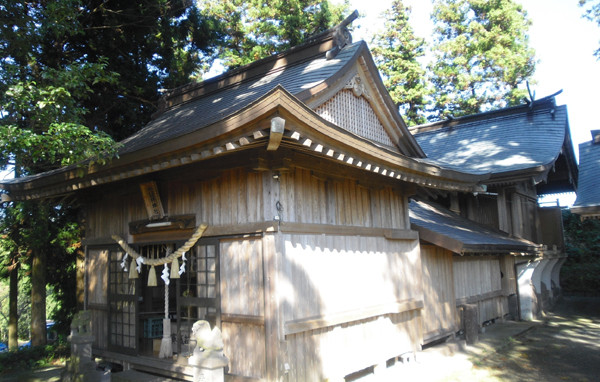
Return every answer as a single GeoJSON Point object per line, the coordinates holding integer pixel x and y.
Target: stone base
{"type": "Point", "coordinates": [209, 375]}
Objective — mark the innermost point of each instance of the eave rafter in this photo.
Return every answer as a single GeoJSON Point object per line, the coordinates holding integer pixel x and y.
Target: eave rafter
{"type": "Point", "coordinates": [347, 157]}
{"type": "Point", "coordinates": [251, 127]}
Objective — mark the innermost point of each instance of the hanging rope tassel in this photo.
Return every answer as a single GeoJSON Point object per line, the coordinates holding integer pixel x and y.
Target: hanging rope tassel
{"type": "Point", "coordinates": [166, 347]}
{"type": "Point", "coordinates": [133, 272]}
{"type": "Point", "coordinates": [175, 269]}
{"type": "Point", "coordinates": [152, 277]}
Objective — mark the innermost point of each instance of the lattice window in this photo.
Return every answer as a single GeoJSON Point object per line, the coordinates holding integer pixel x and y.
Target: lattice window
{"type": "Point", "coordinates": [122, 295]}
{"type": "Point", "coordinates": [355, 115]}
{"type": "Point", "coordinates": [199, 297]}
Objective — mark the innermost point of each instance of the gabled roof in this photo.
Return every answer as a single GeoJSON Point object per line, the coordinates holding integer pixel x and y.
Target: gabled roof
{"type": "Point", "coordinates": [234, 112]}
{"type": "Point", "coordinates": [587, 203]}
{"type": "Point", "coordinates": [521, 141]}
{"type": "Point", "coordinates": [451, 231]}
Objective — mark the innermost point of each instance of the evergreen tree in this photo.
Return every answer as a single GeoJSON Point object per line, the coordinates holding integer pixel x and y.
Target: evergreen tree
{"type": "Point", "coordinates": [592, 12]}
{"type": "Point", "coordinates": [396, 51]}
{"type": "Point", "coordinates": [151, 44]}
{"type": "Point", "coordinates": [481, 55]}
{"type": "Point", "coordinates": [70, 70]}
{"type": "Point", "coordinates": [254, 29]}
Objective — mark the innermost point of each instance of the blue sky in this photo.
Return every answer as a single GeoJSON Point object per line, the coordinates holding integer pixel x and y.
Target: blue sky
{"type": "Point", "coordinates": [564, 44]}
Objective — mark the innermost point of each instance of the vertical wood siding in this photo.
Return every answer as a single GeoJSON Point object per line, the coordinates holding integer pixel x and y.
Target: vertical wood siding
{"type": "Point", "coordinates": [242, 196]}
{"type": "Point", "coordinates": [97, 276]}
{"type": "Point", "coordinates": [333, 352]}
{"type": "Point", "coordinates": [325, 275]}
{"type": "Point", "coordinates": [309, 199]}
{"type": "Point", "coordinates": [439, 312]}
{"type": "Point", "coordinates": [242, 296]}
{"type": "Point", "coordinates": [318, 274]}
{"type": "Point", "coordinates": [478, 276]}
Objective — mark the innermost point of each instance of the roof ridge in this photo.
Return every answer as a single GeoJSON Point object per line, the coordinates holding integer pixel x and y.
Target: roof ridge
{"type": "Point", "coordinates": [315, 45]}
{"type": "Point", "coordinates": [536, 106]}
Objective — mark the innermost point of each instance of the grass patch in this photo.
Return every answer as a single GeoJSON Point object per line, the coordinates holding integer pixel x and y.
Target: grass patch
{"type": "Point", "coordinates": [34, 357]}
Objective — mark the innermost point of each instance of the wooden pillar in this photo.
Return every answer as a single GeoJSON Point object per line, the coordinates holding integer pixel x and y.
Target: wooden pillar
{"type": "Point", "coordinates": [271, 248]}
{"type": "Point", "coordinates": [503, 220]}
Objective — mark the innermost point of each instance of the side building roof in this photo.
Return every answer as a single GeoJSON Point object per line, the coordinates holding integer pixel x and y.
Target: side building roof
{"type": "Point", "coordinates": [510, 143]}
{"type": "Point", "coordinates": [587, 203]}
{"type": "Point", "coordinates": [455, 233]}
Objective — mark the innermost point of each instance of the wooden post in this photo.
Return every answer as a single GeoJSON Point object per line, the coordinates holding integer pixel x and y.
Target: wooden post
{"type": "Point", "coordinates": [503, 222]}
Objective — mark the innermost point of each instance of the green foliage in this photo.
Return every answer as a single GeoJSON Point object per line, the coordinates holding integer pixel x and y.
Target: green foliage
{"type": "Point", "coordinates": [23, 308]}
{"type": "Point", "coordinates": [396, 51]}
{"type": "Point", "coordinates": [482, 55]}
{"type": "Point", "coordinates": [592, 13]}
{"type": "Point", "coordinates": [581, 272]}
{"type": "Point", "coordinates": [34, 357]}
{"type": "Point", "coordinates": [254, 29]}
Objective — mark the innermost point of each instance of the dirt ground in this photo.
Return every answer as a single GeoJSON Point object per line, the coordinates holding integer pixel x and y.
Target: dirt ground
{"type": "Point", "coordinates": [563, 346]}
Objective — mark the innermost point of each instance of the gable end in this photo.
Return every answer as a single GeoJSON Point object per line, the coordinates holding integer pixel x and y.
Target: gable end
{"type": "Point", "coordinates": [350, 109]}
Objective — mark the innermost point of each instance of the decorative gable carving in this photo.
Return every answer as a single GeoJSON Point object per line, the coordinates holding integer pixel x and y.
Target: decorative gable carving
{"type": "Point", "coordinates": [350, 109]}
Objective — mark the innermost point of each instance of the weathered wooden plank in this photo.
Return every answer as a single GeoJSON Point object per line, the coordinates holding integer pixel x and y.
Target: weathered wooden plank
{"type": "Point", "coordinates": [271, 307]}
{"type": "Point", "coordinates": [313, 323]}
{"type": "Point", "coordinates": [390, 234]}
{"type": "Point", "coordinates": [245, 347]}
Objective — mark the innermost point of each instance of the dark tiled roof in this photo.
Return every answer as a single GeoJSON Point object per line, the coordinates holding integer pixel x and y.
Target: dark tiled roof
{"type": "Point", "coordinates": [588, 190]}
{"type": "Point", "coordinates": [512, 139]}
{"type": "Point", "coordinates": [211, 108]}
{"type": "Point", "coordinates": [451, 231]}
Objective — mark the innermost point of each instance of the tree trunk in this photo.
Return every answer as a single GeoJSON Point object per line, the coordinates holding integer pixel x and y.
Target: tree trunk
{"type": "Point", "coordinates": [38, 298]}
{"type": "Point", "coordinates": [13, 316]}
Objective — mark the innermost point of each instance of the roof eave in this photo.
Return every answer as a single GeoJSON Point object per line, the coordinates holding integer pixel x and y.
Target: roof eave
{"type": "Point", "coordinates": [227, 136]}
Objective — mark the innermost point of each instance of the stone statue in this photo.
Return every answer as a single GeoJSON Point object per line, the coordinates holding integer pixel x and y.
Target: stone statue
{"type": "Point", "coordinates": [80, 326]}
{"type": "Point", "coordinates": [208, 357]}
{"type": "Point", "coordinates": [81, 367]}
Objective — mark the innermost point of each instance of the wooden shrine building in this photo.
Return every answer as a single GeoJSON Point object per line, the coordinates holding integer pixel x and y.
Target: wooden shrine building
{"type": "Point", "coordinates": [527, 152]}
{"type": "Point", "coordinates": [300, 168]}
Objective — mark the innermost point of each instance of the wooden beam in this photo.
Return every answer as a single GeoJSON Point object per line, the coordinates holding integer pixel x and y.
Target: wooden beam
{"type": "Point", "coordinates": [479, 297]}
{"type": "Point", "coordinates": [276, 133]}
{"type": "Point", "coordinates": [329, 229]}
{"type": "Point", "coordinates": [243, 319]}
{"type": "Point", "coordinates": [313, 323]}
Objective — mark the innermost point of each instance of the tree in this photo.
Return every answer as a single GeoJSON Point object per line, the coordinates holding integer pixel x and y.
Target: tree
{"type": "Point", "coordinates": [581, 272]}
{"type": "Point", "coordinates": [481, 56]}
{"type": "Point", "coordinates": [151, 44]}
{"type": "Point", "coordinates": [40, 129]}
{"type": "Point", "coordinates": [253, 31]}
{"type": "Point", "coordinates": [396, 51]}
{"type": "Point", "coordinates": [592, 13]}
{"type": "Point", "coordinates": [71, 70]}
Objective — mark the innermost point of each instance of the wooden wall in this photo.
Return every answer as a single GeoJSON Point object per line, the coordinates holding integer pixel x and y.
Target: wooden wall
{"type": "Point", "coordinates": [439, 312]}
{"type": "Point", "coordinates": [477, 280]}
{"type": "Point", "coordinates": [242, 306]}
{"type": "Point", "coordinates": [333, 294]}
{"type": "Point", "coordinates": [348, 302]}
{"type": "Point", "coordinates": [97, 295]}
{"type": "Point", "coordinates": [241, 196]}
{"type": "Point", "coordinates": [307, 198]}
{"type": "Point", "coordinates": [483, 209]}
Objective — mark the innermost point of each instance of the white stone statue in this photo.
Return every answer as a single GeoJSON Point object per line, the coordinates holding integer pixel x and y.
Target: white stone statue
{"type": "Point", "coordinates": [208, 355]}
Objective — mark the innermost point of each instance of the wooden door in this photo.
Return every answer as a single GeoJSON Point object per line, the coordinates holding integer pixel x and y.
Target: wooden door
{"type": "Point", "coordinates": [122, 298]}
